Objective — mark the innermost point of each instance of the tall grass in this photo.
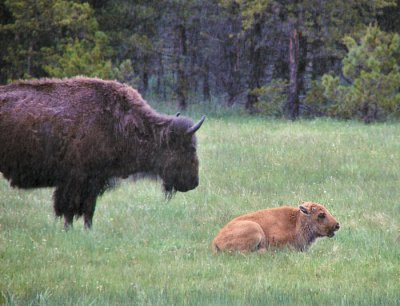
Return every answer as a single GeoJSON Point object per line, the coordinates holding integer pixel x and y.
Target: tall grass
{"type": "Point", "coordinates": [144, 250]}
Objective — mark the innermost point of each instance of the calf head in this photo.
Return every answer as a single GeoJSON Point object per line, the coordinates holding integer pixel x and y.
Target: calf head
{"type": "Point", "coordinates": [319, 219]}
{"type": "Point", "coordinates": [179, 163]}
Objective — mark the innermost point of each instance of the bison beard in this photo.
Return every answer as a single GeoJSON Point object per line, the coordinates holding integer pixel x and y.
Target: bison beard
{"type": "Point", "coordinates": [79, 134]}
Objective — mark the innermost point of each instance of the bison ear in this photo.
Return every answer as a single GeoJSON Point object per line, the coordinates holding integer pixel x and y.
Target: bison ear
{"type": "Point", "coordinates": [304, 210]}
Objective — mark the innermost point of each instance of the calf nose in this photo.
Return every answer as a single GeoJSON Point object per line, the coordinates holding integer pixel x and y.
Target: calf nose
{"type": "Point", "coordinates": [337, 226]}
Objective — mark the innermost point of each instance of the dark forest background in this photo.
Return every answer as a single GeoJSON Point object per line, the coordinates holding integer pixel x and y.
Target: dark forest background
{"type": "Point", "coordinates": [280, 58]}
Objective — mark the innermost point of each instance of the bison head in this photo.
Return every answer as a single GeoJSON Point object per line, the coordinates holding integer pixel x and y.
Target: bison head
{"type": "Point", "coordinates": [319, 220]}
{"type": "Point", "coordinates": [179, 163]}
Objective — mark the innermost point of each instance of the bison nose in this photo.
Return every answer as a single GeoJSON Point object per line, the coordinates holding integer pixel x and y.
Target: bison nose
{"type": "Point", "coordinates": [337, 226]}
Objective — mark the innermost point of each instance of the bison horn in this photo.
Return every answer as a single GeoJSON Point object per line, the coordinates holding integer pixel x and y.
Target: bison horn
{"type": "Point", "coordinates": [177, 114]}
{"type": "Point", "coordinates": [195, 127]}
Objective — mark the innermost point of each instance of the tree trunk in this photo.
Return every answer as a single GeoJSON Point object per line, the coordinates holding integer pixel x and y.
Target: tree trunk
{"type": "Point", "coordinates": [206, 83]}
{"type": "Point", "coordinates": [181, 82]}
{"type": "Point", "coordinates": [369, 112]}
{"type": "Point", "coordinates": [160, 76]}
{"type": "Point", "coordinates": [257, 68]}
{"type": "Point", "coordinates": [231, 75]}
{"type": "Point", "coordinates": [145, 79]}
{"type": "Point", "coordinates": [251, 101]}
{"type": "Point", "coordinates": [232, 78]}
{"type": "Point", "coordinates": [292, 105]}
{"type": "Point", "coordinates": [29, 61]}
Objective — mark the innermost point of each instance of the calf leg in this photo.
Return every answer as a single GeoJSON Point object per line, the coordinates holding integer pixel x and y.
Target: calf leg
{"type": "Point", "coordinates": [242, 236]}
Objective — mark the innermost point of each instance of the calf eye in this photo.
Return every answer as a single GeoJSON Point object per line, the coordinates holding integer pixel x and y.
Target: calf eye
{"type": "Point", "coordinates": [321, 215]}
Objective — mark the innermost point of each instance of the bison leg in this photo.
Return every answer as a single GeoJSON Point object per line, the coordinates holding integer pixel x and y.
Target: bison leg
{"type": "Point", "coordinates": [66, 198]}
{"type": "Point", "coordinates": [89, 207]}
{"type": "Point", "coordinates": [75, 198]}
{"type": "Point", "coordinates": [68, 220]}
{"type": "Point", "coordinates": [94, 188]}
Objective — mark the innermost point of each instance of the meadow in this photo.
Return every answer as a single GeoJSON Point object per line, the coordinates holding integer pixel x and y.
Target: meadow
{"type": "Point", "coordinates": [145, 250]}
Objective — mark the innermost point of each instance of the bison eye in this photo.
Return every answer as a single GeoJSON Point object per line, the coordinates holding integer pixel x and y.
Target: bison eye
{"type": "Point", "coordinates": [321, 216]}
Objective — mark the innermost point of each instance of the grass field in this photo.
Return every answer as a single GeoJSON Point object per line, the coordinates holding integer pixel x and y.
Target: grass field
{"type": "Point", "coordinates": [144, 250]}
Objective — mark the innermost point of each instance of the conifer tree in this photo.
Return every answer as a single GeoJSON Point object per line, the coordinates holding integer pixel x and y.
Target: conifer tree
{"type": "Point", "coordinates": [372, 72]}
{"type": "Point", "coordinates": [43, 30]}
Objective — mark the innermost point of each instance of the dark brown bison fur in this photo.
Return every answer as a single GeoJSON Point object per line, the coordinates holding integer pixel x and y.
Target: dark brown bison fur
{"type": "Point", "coordinates": [77, 134]}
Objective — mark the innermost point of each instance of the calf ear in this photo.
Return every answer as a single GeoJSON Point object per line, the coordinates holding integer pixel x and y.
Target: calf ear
{"type": "Point", "coordinates": [304, 210]}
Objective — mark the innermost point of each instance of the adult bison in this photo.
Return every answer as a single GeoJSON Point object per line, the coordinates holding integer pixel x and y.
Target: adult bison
{"type": "Point", "coordinates": [77, 134]}
{"type": "Point", "coordinates": [277, 227]}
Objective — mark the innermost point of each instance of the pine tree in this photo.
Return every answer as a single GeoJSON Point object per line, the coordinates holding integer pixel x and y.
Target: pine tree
{"type": "Point", "coordinates": [372, 71]}
{"type": "Point", "coordinates": [81, 57]}
{"type": "Point", "coordinates": [42, 30]}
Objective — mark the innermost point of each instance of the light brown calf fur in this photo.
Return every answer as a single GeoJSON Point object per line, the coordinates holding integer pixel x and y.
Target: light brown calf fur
{"type": "Point", "coordinates": [277, 228]}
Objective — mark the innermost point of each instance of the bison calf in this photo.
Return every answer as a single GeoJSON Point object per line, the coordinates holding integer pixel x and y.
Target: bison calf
{"type": "Point", "coordinates": [277, 227]}
{"type": "Point", "coordinates": [78, 134]}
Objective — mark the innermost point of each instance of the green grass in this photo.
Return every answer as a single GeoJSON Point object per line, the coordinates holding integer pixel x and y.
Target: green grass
{"type": "Point", "coordinates": [146, 251]}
